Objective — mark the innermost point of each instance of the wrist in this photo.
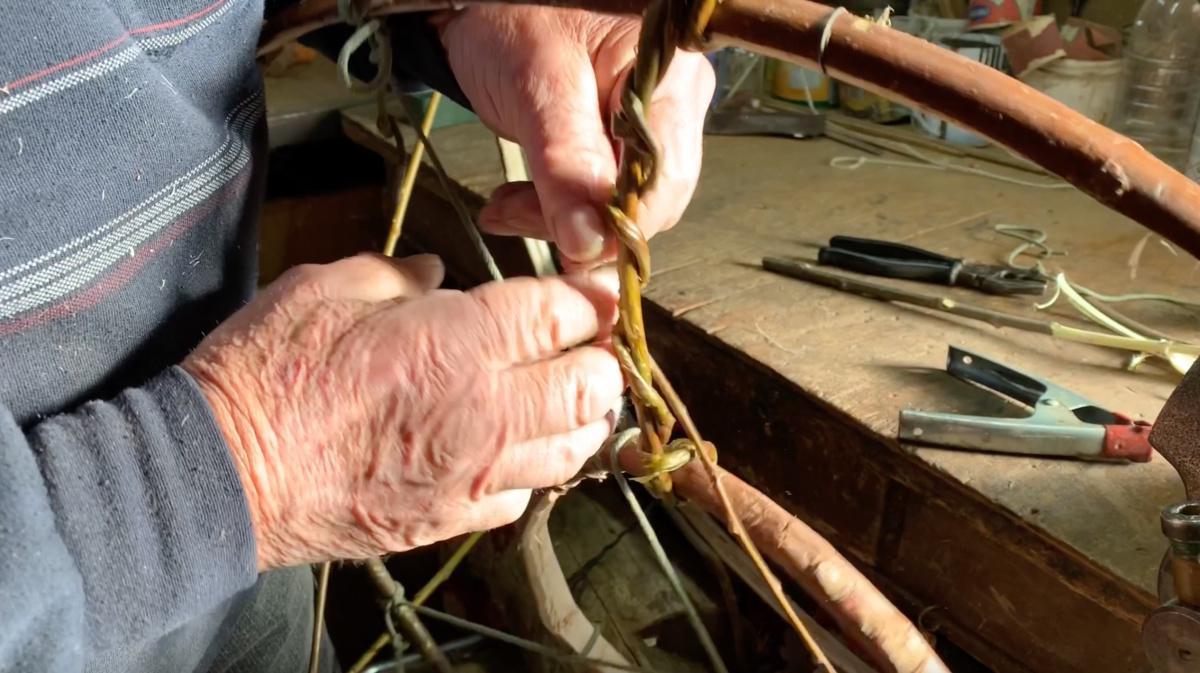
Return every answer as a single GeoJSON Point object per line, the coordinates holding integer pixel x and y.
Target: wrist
{"type": "Point", "coordinates": [242, 440]}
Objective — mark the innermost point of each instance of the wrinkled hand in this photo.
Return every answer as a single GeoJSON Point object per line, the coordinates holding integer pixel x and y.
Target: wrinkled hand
{"type": "Point", "coordinates": [368, 412]}
{"type": "Point", "coordinates": [549, 79]}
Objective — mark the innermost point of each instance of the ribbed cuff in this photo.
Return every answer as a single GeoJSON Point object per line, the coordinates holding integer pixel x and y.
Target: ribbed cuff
{"type": "Point", "coordinates": [150, 505]}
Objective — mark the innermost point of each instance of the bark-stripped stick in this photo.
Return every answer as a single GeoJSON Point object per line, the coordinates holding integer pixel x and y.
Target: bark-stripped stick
{"type": "Point", "coordinates": [824, 574]}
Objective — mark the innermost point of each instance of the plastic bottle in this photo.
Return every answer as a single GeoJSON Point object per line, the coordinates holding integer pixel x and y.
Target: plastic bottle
{"type": "Point", "coordinates": [739, 77]}
{"type": "Point", "coordinates": [1160, 87]}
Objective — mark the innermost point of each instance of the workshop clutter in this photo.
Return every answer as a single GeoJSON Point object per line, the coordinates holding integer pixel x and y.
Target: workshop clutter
{"type": "Point", "coordinates": [1160, 91]}
{"type": "Point", "coordinates": [1082, 63]}
{"type": "Point", "coordinates": [797, 84]}
{"type": "Point", "coordinates": [1089, 87]}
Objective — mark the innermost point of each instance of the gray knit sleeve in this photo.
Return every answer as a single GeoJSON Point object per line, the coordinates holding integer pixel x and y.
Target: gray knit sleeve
{"type": "Point", "coordinates": [119, 521]}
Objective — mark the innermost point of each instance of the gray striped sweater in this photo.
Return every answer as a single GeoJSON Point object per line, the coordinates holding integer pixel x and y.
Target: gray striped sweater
{"type": "Point", "coordinates": [131, 165]}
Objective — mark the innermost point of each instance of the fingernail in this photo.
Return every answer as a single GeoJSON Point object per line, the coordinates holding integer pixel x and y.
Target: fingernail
{"type": "Point", "coordinates": [580, 234]}
{"type": "Point", "coordinates": [606, 277]}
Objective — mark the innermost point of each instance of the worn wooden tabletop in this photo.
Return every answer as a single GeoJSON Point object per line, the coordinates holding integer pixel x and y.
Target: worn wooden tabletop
{"type": "Point", "coordinates": [863, 361]}
{"type": "Point", "coordinates": [870, 359]}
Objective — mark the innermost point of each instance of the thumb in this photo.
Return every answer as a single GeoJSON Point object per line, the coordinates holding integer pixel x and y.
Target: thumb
{"type": "Point", "coordinates": [374, 277]}
{"type": "Point", "coordinates": [570, 158]}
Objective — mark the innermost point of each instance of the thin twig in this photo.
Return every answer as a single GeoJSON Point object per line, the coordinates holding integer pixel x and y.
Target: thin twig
{"type": "Point", "coordinates": [314, 655]}
{"type": "Point", "coordinates": [460, 208]}
{"type": "Point", "coordinates": [405, 191]}
{"type": "Point", "coordinates": [447, 568]}
{"type": "Point", "coordinates": [522, 643]}
{"type": "Point", "coordinates": [423, 595]}
{"type": "Point", "coordinates": [405, 619]}
{"type": "Point", "coordinates": [660, 554]}
{"type": "Point", "coordinates": [734, 521]}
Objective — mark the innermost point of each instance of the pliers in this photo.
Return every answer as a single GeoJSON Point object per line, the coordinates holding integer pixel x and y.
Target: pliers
{"type": "Point", "coordinates": [896, 260]}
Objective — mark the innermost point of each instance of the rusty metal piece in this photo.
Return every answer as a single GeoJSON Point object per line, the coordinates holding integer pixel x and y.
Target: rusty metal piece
{"type": "Point", "coordinates": [1181, 525]}
{"type": "Point", "coordinates": [1171, 638]}
{"type": "Point", "coordinates": [1176, 433]}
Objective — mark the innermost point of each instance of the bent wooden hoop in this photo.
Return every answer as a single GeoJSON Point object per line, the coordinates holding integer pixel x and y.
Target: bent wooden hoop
{"type": "Point", "coordinates": [1102, 163]}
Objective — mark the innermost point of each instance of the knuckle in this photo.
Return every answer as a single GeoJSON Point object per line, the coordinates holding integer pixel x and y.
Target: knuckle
{"type": "Point", "coordinates": [510, 316]}
{"type": "Point", "coordinates": [513, 507]}
{"type": "Point", "coordinates": [303, 282]}
{"type": "Point", "coordinates": [584, 397]}
{"type": "Point", "coordinates": [575, 455]}
{"type": "Point", "coordinates": [301, 274]}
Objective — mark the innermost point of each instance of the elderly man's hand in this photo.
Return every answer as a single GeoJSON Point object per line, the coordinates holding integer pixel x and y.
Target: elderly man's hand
{"type": "Point", "coordinates": [367, 411]}
{"type": "Point", "coordinates": [549, 79]}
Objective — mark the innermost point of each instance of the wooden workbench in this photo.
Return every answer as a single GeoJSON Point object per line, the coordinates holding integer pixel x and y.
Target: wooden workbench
{"type": "Point", "coordinates": [1030, 564]}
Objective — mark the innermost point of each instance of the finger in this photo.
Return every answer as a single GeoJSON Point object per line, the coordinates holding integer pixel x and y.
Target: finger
{"type": "Point", "coordinates": [561, 394]}
{"type": "Point", "coordinates": [528, 319]}
{"type": "Point", "coordinates": [499, 509]}
{"type": "Point", "coordinates": [549, 461]}
{"type": "Point", "coordinates": [676, 118]}
{"type": "Point", "coordinates": [514, 210]}
{"type": "Point", "coordinates": [570, 156]}
{"type": "Point", "coordinates": [373, 277]}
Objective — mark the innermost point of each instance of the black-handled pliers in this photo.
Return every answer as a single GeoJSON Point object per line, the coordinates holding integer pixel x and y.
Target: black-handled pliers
{"type": "Point", "coordinates": [896, 260]}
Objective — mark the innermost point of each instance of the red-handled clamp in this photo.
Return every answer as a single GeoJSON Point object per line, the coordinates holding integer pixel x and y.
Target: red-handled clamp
{"type": "Point", "coordinates": [1062, 423]}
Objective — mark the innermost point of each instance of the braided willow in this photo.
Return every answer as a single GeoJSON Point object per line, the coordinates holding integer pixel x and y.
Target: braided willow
{"type": "Point", "coordinates": [654, 399]}
{"type": "Point", "coordinates": [640, 158]}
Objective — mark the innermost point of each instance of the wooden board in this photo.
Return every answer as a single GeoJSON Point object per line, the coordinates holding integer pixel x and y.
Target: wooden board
{"type": "Point", "coordinates": [1031, 564]}
{"type": "Point", "coordinates": [833, 371]}
{"type": "Point", "coordinates": [709, 279]}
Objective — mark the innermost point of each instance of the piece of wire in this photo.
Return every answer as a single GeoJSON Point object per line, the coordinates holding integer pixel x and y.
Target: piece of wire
{"type": "Point", "coordinates": [464, 216]}
{"type": "Point", "coordinates": [1139, 296]}
{"type": "Point", "coordinates": [925, 162]}
{"type": "Point", "coordinates": [615, 444]}
{"type": "Point", "coordinates": [372, 31]}
{"type": "Point", "coordinates": [854, 163]}
{"type": "Point", "coordinates": [1030, 237]}
{"type": "Point", "coordinates": [516, 641]}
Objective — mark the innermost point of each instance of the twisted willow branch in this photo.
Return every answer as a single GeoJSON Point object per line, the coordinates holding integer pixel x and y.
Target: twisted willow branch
{"type": "Point", "coordinates": [655, 400]}
{"type": "Point", "coordinates": [640, 158]}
